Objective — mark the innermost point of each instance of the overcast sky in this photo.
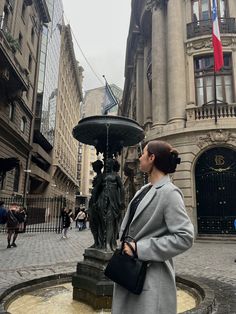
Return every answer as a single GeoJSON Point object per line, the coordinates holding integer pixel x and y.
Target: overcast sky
{"type": "Point", "coordinates": [101, 29]}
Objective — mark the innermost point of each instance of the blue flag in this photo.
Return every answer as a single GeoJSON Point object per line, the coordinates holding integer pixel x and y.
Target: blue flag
{"type": "Point", "coordinates": [110, 100]}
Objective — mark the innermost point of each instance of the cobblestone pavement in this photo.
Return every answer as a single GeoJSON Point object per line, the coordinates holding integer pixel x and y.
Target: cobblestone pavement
{"type": "Point", "coordinates": [43, 254]}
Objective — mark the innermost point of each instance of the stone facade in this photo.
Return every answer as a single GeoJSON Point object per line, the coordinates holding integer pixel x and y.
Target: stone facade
{"type": "Point", "coordinates": [170, 91]}
{"type": "Point", "coordinates": [69, 98]}
{"type": "Point", "coordinates": [20, 37]}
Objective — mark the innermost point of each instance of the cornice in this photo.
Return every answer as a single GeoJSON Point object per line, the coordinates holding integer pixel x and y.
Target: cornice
{"type": "Point", "coordinates": [155, 4]}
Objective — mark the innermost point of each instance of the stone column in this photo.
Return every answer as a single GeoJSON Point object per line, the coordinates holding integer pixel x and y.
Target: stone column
{"type": "Point", "coordinates": [159, 91]}
{"type": "Point", "coordinates": [139, 82]}
{"type": "Point", "coordinates": [176, 62]}
{"type": "Point", "coordinates": [147, 99]}
{"type": "Point", "coordinates": [190, 84]}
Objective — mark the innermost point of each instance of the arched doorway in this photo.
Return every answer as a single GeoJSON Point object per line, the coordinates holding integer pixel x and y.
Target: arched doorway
{"type": "Point", "coordinates": [215, 175]}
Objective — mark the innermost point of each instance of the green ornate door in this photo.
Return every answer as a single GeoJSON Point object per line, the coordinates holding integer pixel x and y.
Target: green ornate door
{"type": "Point", "coordinates": [215, 175]}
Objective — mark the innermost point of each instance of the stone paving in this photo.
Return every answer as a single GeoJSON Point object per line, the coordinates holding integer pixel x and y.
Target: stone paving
{"type": "Point", "coordinates": [43, 254]}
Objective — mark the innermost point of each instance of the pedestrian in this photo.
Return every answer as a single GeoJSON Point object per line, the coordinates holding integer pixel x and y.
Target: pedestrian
{"type": "Point", "coordinates": [81, 218]}
{"type": "Point", "coordinates": [65, 222]}
{"type": "Point", "coordinates": [12, 225]}
{"type": "Point", "coordinates": [157, 221]}
{"type": "Point", "coordinates": [3, 213]}
{"type": "Point", "coordinates": [21, 216]}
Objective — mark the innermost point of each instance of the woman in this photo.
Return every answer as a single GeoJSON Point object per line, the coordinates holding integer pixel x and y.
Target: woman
{"type": "Point", "coordinates": [65, 222]}
{"type": "Point", "coordinates": [161, 228]}
{"type": "Point", "coordinates": [12, 225]}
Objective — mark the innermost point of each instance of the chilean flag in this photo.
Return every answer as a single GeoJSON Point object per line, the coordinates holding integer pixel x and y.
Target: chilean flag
{"type": "Point", "coordinates": [217, 45]}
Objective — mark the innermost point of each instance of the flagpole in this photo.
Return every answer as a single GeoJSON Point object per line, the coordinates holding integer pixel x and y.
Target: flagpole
{"type": "Point", "coordinates": [215, 96]}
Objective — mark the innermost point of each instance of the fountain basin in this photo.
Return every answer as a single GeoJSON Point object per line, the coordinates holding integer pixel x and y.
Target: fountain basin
{"type": "Point", "coordinates": [53, 294]}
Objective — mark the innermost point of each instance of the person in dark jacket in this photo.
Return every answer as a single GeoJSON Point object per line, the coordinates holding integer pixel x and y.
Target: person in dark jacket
{"type": "Point", "coordinates": [3, 213]}
{"type": "Point", "coordinates": [12, 225]}
{"type": "Point", "coordinates": [65, 222]}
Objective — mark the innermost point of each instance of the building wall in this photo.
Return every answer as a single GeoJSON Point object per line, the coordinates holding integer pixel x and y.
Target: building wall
{"type": "Point", "coordinates": [69, 97]}
{"type": "Point", "coordinates": [161, 89]}
{"type": "Point", "coordinates": [20, 34]}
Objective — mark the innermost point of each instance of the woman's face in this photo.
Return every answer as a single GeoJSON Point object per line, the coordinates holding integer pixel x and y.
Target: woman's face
{"type": "Point", "coordinates": [146, 161]}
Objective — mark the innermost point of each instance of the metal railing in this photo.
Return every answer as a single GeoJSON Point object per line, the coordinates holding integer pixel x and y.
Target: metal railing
{"type": "Point", "coordinates": [204, 27]}
{"type": "Point", "coordinates": [43, 214]}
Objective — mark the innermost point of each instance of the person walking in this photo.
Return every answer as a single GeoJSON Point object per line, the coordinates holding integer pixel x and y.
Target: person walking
{"type": "Point", "coordinates": [65, 222]}
{"type": "Point", "coordinates": [3, 213]}
{"type": "Point", "coordinates": [161, 229]}
{"type": "Point", "coordinates": [81, 218]}
{"type": "Point", "coordinates": [12, 225]}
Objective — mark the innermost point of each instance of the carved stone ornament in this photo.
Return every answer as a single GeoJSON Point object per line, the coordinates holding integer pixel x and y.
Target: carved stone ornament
{"type": "Point", "coordinates": [154, 4]}
{"type": "Point", "coordinates": [218, 136]}
{"type": "Point", "coordinates": [206, 43]}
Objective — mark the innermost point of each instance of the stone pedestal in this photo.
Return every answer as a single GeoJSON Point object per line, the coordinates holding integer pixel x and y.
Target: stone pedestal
{"type": "Point", "coordinates": [89, 283]}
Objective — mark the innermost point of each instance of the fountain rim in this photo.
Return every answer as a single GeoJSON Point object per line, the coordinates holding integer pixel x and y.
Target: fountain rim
{"type": "Point", "coordinates": [118, 127]}
{"type": "Point", "coordinates": [199, 290]}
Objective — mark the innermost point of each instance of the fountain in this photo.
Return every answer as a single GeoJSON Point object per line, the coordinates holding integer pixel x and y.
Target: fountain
{"type": "Point", "coordinates": [108, 134]}
{"type": "Point", "coordinates": [92, 291]}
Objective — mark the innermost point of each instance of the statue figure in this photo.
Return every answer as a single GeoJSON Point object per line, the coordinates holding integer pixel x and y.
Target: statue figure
{"type": "Point", "coordinates": [111, 203]}
{"type": "Point", "coordinates": [93, 211]}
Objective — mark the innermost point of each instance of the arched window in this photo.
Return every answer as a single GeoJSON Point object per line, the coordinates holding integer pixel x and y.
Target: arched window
{"type": "Point", "coordinates": [201, 9]}
{"type": "Point", "coordinates": [11, 111]}
{"type": "Point", "coordinates": [23, 124]}
{"type": "Point", "coordinates": [32, 35]}
{"type": "Point", "coordinates": [16, 179]}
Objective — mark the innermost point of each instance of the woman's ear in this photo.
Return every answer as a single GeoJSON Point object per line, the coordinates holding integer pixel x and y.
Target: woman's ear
{"type": "Point", "coordinates": [152, 157]}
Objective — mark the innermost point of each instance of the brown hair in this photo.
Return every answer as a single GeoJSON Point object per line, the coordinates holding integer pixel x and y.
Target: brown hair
{"type": "Point", "coordinates": [166, 157]}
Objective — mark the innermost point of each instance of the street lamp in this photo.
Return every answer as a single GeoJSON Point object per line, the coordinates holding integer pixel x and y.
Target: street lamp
{"type": "Point", "coordinates": [27, 172]}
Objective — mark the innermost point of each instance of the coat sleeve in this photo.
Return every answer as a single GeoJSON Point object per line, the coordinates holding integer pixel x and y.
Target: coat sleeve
{"type": "Point", "coordinates": [178, 237]}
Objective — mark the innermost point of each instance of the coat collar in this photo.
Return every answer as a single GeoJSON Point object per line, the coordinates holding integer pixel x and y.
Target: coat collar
{"type": "Point", "coordinates": [148, 198]}
{"type": "Point", "coordinates": [145, 202]}
{"type": "Point", "coordinates": [162, 182]}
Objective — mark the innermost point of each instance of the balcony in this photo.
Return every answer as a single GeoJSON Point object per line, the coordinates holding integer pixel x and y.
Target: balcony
{"type": "Point", "coordinates": [204, 27]}
{"type": "Point", "coordinates": [226, 114]}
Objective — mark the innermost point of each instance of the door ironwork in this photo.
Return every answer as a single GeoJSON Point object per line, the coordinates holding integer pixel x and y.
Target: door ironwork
{"type": "Point", "coordinates": [215, 175]}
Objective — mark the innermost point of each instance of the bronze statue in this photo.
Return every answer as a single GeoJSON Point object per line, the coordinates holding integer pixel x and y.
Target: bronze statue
{"type": "Point", "coordinates": [93, 211]}
{"type": "Point", "coordinates": [111, 203]}
{"type": "Point", "coordinates": [106, 204]}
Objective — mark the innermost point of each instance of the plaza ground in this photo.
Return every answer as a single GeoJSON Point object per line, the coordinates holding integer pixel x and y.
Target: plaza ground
{"type": "Point", "coordinates": [44, 254]}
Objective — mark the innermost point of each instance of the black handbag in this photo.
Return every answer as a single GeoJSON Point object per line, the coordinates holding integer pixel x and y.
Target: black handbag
{"type": "Point", "coordinates": [128, 271]}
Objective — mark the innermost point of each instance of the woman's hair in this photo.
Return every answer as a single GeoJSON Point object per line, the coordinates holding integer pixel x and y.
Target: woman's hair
{"type": "Point", "coordinates": [166, 157]}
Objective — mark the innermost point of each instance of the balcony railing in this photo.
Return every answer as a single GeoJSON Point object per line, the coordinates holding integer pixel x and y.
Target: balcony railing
{"type": "Point", "coordinates": [204, 27]}
{"type": "Point", "coordinates": [207, 113]}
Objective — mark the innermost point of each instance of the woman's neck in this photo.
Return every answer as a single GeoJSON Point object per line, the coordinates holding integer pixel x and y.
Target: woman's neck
{"type": "Point", "coordinates": [155, 176]}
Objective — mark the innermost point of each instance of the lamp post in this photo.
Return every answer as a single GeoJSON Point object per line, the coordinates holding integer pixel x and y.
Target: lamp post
{"type": "Point", "coordinates": [25, 192]}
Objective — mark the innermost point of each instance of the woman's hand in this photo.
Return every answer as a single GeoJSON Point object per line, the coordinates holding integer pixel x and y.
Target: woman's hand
{"type": "Point", "coordinates": [127, 250]}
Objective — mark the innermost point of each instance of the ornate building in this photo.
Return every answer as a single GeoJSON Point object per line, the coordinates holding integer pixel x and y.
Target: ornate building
{"type": "Point", "coordinates": [169, 90]}
{"type": "Point", "coordinates": [21, 24]}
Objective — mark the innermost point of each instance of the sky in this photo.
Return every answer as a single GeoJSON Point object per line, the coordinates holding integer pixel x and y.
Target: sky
{"type": "Point", "coordinates": [101, 29]}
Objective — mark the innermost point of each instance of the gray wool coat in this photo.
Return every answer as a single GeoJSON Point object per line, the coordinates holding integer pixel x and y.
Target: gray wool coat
{"type": "Point", "coordinates": [162, 230]}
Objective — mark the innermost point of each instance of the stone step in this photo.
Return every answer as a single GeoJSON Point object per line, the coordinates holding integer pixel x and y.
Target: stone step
{"type": "Point", "coordinates": [216, 238]}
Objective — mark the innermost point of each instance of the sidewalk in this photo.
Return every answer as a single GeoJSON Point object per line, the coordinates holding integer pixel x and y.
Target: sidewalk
{"type": "Point", "coordinates": [43, 254]}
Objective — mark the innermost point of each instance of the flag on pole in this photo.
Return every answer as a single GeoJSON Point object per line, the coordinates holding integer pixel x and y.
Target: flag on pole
{"type": "Point", "coordinates": [110, 100]}
{"type": "Point", "coordinates": [216, 41]}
